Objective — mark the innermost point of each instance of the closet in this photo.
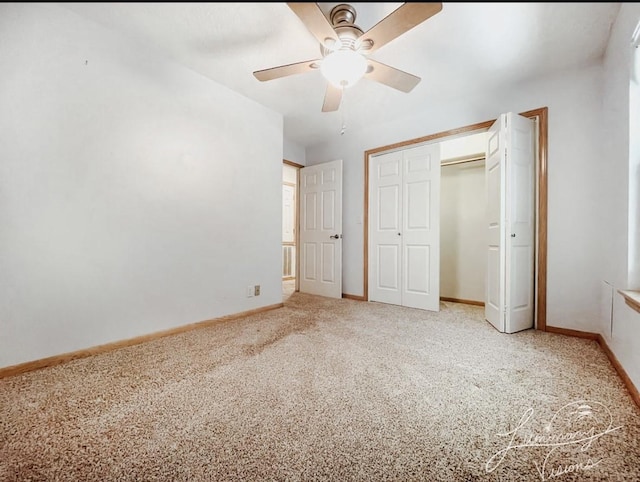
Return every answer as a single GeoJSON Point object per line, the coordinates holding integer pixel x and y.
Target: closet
{"type": "Point", "coordinates": [406, 218]}
{"type": "Point", "coordinates": [462, 224]}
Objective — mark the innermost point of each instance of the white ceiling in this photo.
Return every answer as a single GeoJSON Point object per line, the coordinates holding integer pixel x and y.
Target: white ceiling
{"type": "Point", "coordinates": [465, 46]}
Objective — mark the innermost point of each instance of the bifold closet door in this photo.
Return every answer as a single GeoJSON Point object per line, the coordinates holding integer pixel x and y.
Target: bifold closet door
{"type": "Point", "coordinates": [510, 176]}
{"type": "Point", "coordinates": [404, 227]}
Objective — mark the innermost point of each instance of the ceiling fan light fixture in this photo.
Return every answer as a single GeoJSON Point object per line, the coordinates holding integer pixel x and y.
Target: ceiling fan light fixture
{"type": "Point", "coordinates": [344, 47]}
{"type": "Point", "coordinates": [343, 68]}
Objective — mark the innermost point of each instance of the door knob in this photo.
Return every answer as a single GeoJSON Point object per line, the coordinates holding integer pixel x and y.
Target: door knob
{"type": "Point", "coordinates": [336, 236]}
{"type": "Point", "coordinates": [513, 235]}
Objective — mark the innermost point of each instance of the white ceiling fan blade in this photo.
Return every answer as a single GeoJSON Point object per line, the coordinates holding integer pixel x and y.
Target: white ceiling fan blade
{"type": "Point", "coordinates": [286, 70]}
{"type": "Point", "coordinates": [332, 98]}
{"type": "Point", "coordinates": [391, 76]}
{"type": "Point", "coordinates": [315, 21]}
{"type": "Point", "coordinates": [396, 23]}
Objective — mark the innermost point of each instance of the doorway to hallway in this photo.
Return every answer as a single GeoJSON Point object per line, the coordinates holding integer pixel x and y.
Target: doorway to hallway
{"type": "Point", "coordinates": [290, 181]}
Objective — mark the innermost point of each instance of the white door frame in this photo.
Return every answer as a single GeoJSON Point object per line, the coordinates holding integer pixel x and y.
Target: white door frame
{"type": "Point", "coordinates": [541, 116]}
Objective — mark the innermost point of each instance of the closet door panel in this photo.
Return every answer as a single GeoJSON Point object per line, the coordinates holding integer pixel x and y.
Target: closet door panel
{"type": "Point", "coordinates": [494, 169]}
{"type": "Point", "coordinates": [385, 225]}
{"type": "Point", "coordinates": [404, 230]}
{"type": "Point", "coordinates": [421, 227]}
{"type": "Point", "coordinates": [418, 258]}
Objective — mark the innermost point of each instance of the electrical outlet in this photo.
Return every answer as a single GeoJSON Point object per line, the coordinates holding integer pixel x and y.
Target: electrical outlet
{"type": "Point", "coordinates": [256, 290]}
{"type": "Point", "coordinates": [250, 291]}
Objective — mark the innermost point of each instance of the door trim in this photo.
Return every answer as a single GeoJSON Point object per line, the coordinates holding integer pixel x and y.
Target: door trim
{"type": "Point", "coordinates": [541, 115]}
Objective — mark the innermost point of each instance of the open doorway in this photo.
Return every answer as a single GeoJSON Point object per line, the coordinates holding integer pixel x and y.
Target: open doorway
{"type": "Point", "coordinates": [290, 176]}
{"type": "Point", "coordinates": [462, 215]}
{"type": "Point", "coordinates": [312, 251]}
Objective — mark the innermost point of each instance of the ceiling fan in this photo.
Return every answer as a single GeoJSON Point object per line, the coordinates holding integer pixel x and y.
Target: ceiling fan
{"type": "Point", "coordinates": [344, 48]}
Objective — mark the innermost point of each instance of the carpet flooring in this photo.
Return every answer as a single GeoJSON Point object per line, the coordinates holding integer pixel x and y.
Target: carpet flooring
{"type": "Point", "coordinates": [323, 389]}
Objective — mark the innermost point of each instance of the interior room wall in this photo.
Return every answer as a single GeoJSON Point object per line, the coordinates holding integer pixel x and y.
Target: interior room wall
{"type": "Point", "coordinates": [294, 152]}
{"type": "Point", "coordinates": [134, 195]}
{"type": "Point", "coordinates": [574, 174]}
{"type": "Point", "coordinates": [622, 330]}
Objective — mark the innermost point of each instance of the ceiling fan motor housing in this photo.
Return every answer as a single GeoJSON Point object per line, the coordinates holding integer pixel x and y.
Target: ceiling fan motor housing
{"type": "Point", "coordinates": [343, 17]}
{"type": "Point", "coordinates": [342, 13]}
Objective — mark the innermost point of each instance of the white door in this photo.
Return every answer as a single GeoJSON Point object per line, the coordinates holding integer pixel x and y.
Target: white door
{"type": "Point", "coordinates": [404, 232]}
{"type": "Point", "coordinates": [510, 180]}
{"type": "Point", "coordinates": [321, 229]}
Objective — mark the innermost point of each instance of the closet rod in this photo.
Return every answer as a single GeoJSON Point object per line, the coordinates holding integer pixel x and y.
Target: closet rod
{"type": "Point", "coordinates": [461, 161]}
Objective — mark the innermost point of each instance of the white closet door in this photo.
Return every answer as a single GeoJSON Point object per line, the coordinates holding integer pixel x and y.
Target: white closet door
{"type": "Point", "coordinates": [385, 228]}
{"type": "Point", "coordinates": [520, 213]}
{"type": "Point", "coordinates": [494, 169]}
{"type": "Point", "coordinates": [321, 229]}
{"type": "Point", "coordinates": [404, 233]}
{"type": "Point", "coordinates": [421, 227]}
{"type": "Point", "coordinates": [510, 175]}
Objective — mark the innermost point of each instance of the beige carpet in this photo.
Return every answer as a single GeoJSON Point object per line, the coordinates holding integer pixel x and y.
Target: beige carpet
{"type": "Point", "coordinates": [288, 288]}
{"type": "Point", "coordinates": [325, 389]}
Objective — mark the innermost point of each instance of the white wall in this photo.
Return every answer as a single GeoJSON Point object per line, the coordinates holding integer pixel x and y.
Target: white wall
{"type": "Point", "coordinates": [294, 152]}
{"type": "Point", "coordinates": [613, 217]}
{"type": "Point", "coordinates": [127, 189]}
{"type": "Point", "coordinates": [462, 231]}
{"type": "Point", "coordinates": [574, 170]}
{"type": "Point", "coordinates": [634, 167]}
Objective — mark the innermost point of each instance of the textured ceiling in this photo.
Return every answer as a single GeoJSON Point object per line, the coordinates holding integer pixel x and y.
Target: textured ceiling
{"type": "Point", "coordinates": [464, 46]}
